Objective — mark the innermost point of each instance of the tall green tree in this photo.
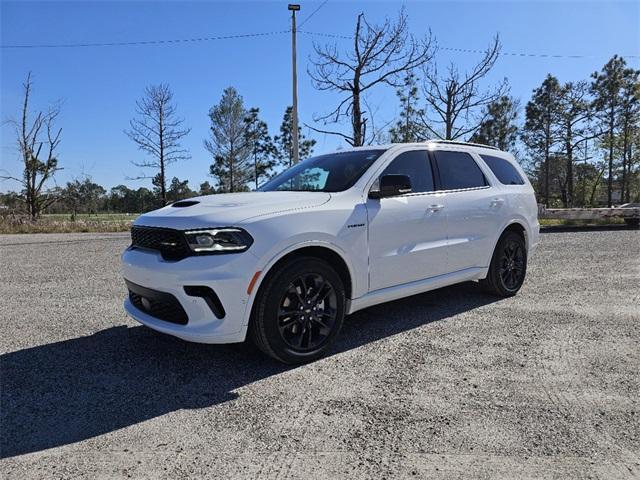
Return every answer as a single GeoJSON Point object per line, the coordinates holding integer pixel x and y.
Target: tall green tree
{"type": "Point", "coordinates": [206, 189]}
{"type": "Point", "coordinates": [284, 141]}
{"type": "Point", "coordinates": [409, 128]}
{"type": "Point", "coordinates": [179, 190]}
{"type": "Point", "coordinates": [574, 130]}
{"type": "Point", "coordinates": [540, 132]}
{"type": "Point", "coordinates": [227, 143]}
{"type": "Point", "coordinates": [157, 131]}
{"type": "Point", "coordinates": [262, 148]}
{"type": "Point", "coordinates": [607, 87]}
{"type": "Point", "coordinates": [126, 200]}
{"type": "Point", "coordinates": [629, 124]}
{"type": "Point", "coordinates": [82, 195]}
{"type": "Point", "coordinates": [499, 127]}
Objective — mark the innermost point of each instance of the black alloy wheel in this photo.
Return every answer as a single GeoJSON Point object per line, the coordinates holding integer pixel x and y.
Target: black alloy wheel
{"type": "Point", "coordinates": [512, 265]}
{"type": "Point", "coordinates": [298, 310]}
{"type": "Point", "coordinates": [307, 312]}
{"type": "Point", "coordinates": [508, 266]}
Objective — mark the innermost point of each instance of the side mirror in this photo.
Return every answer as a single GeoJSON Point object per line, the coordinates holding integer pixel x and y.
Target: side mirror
{"type": "Point", "coordinates": [392, 186]}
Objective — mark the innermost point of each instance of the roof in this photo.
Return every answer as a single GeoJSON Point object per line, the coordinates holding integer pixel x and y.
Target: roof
{"type": "Point", "coordinates": [418, 144]}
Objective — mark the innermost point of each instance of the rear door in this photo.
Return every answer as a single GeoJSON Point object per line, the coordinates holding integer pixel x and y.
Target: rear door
{"type": "Point", "coordinates": [407, 233]}
{"type": "Point", "coordinates": [474, 209]}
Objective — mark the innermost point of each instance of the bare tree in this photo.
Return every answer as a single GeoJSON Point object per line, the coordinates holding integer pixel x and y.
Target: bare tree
{"type": "Point", "coordinates": [157, 131]}
{"type": "Point", "coordinates": [456, 101]}
{"type": "Point", "coordinates": [37, 144]}
{"type": "Point", "coordinates": [382, 54]}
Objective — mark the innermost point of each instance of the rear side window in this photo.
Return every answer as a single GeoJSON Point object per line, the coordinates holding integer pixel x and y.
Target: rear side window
{"type": "Point", "coordinates": [415, 164]}
{"type": "Point", "coordinates": [459, 170]}
{"type": "Point", "coordinates": [503, 170]}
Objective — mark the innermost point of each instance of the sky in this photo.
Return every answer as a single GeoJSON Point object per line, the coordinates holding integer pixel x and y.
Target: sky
{"type": "Point", "coordinates": [99, 85]}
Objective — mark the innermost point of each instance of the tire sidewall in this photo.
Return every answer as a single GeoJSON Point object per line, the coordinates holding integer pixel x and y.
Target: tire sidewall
{"type": "Point", "coordinates": [497, 279]}
{"type": "Point", "coordinates": [267, 314]}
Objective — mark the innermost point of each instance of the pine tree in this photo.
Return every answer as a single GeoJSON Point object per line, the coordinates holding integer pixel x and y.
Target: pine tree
{"type": "Point", "coordinates": [607, 87]}
{"type": "Point", "coordinates": [206, 189]}
{"type": "Point", "coordinates": [284, 141]}
{"type": "Point", "coordinates": [263, 150]}
{"type": "Point", "coordinates": [630, 124]}
{"type": "Point", "coordinates": [179, 190]}
{"type": "Point", "coordinates": [408, 128]}
{"type": "Point", "coordinates": [540, 133]}
{"type": "Point", "coordinates": [231, 167]}
{"type": "Point", "coordinates": [499, 128]}
{"type": "Point", "coordinates": [574, 129]}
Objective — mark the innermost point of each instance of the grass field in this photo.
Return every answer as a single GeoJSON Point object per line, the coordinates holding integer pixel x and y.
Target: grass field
{"type": "Point", "coordinates": [63, 223]}
{"type": "Point", "coordinates": [557, 222]}
{"type": "Point", "coordinates": [99, 217]}
{"type": "Point", "coordinates": [121, 222]}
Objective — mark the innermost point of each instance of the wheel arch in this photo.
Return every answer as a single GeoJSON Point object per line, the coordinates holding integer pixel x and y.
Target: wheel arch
{"type": "Point", "coordinates": [321, 250]}
{"type": "Point", "coordinates": [515, 225]}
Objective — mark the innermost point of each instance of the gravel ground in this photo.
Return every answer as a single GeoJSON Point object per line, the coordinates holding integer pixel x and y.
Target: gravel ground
{"type": "Point", "coordinates": [448, 384]}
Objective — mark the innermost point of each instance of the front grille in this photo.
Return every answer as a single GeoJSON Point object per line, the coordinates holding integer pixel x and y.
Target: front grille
{"type": "Point", "coordinates": [161, 305]}
{"type": "Point", "coordinates": [170, 243]}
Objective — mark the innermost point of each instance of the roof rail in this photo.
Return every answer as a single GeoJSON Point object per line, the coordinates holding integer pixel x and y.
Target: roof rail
{"type": "Point", "coordinates": [454, 142]}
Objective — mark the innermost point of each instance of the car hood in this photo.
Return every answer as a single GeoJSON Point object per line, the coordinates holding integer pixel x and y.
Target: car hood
{"type": "Point", "coordinates": [228, 209]}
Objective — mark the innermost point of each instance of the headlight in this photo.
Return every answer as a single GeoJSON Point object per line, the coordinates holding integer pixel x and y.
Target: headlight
{"type": "Point", "coordinates": [218, 240]}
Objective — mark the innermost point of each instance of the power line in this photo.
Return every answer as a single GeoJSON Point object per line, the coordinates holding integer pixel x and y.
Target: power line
{"type": "Point", "coordinates": [540, 55]}
{"type": "Point", "coordinates": [280, 32]}
{"type": "Point", "coordinates": [313, 13]}
{"type": "Point", "coordinates": [330, 35]}
{"type": "Point", "coordinates": [468, 50]}
{"type": "Point", "coordinates": [149, 42]}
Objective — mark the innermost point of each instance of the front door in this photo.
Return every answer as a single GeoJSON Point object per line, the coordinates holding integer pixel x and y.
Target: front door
{"type": "Point", "coordinates": [407, 233]}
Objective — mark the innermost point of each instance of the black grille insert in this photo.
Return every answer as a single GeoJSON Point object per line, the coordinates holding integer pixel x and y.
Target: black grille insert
{"type": "Point", "coordinates": [209, 296]}
{"type": "Point", "coordinates": [161, 305]}
{"type": "Point", "coordinates": [170, 243]}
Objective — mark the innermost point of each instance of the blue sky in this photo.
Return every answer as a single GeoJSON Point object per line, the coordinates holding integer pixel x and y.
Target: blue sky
{"type": "Point", "coordinates": [99, 85]}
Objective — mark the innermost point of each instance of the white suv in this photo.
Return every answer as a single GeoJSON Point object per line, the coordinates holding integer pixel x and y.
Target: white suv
{"type": "Point", "coordinates": [332, 235]}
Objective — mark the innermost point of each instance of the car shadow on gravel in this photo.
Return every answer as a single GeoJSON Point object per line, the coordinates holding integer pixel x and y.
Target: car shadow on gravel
{"type": "Point", "coordinates": [56, 394]}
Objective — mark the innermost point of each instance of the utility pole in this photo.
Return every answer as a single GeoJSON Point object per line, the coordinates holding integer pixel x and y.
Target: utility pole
{"type": "Point", "coordinates": [294, 118]}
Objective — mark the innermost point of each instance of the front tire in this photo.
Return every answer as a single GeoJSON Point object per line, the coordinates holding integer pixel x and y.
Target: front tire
{"type": "Point", "coordinates": [299, 311]}
{"type": "Point", "coordinates": [508, 266]}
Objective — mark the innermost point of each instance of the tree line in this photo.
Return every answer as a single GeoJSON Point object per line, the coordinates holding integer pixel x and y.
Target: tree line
{"type": "Point", "coordinates": [579, 141]}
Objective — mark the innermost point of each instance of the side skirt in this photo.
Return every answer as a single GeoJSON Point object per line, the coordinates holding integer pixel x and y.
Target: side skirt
{"type": "Point", "coordinates": [420, 286]}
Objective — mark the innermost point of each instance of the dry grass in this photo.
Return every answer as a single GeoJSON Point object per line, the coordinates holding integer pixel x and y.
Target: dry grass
{"type": "Point", "coordinates": [553, 222]}
{"type": "Point", "coordinates": [64, 224]}
{"type": "Point", "coordinates": [60, 223]}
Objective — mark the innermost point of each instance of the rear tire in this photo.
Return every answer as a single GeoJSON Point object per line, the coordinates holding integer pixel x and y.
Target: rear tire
{"type": "Point", "coordinates": [298, 311]}
{"type": "Point", "coordinates": [508, 266]}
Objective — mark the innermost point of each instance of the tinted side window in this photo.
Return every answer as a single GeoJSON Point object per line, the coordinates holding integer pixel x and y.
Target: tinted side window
{"type": "Point", "coordinates": [416, 166]}
{"type": "Point", "coordinates": [459, 170]}
{"type": "Point", "coordinates": [503, 170]}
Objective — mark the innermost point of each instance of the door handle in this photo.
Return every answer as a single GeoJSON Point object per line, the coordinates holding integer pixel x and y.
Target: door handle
{"type": "Point", "coordinates": [496, 202]}
{"type": "Point", "coordinates": [435, 208]}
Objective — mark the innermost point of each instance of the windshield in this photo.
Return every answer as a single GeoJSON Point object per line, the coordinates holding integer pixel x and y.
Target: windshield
{"type": "Point", "coordinates": [334, 172]}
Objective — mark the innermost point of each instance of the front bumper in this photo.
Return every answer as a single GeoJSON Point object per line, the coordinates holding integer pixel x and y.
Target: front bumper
{"type": "Point", "coordinates": [227, 275]}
